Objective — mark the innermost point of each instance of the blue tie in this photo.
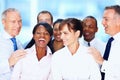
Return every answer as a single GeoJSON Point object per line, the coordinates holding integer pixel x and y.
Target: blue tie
{"type": "Point", "coordinates": [88, 43]}
{"type": "Point", "coordinates": [106, 54]}
{"type": "Point", "coordinates": [14, 43]}
{"type": "Point", "coordinates": [107, 50]}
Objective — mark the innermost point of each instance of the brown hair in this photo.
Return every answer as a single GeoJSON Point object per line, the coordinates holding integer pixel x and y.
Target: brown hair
{"type": "Point", "coordinates": [72, 24]}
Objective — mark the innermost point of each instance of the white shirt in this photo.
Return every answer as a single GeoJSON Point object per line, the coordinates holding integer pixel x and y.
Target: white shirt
{"type": "Point", "coordinates": [112, 66]}
{"type": "Point", "coordinates": [6, 48]}
{"type": "Point", "coordinates": [80, 66]}
{"type": "Point", "coordinates": [96, 43]}
{"type": "Point", "coordinates": [29, 68]}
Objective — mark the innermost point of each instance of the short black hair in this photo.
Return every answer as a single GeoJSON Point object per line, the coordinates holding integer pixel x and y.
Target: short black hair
{"type": "Point", "coordinates": [92, 17]}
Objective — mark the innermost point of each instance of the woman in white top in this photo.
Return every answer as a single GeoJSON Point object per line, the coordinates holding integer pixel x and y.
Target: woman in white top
{"type": "Point", "coordinates": [37, 63]}
{"type": "Point", "coordinates": [73, 61]}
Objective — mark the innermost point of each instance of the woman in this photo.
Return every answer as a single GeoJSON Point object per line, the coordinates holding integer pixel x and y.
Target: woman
{"type": "Point", "coordinates": [73, 61]}
{"type": "Point", "coordinates": [36, 64]}
{"type": "Point", "coordinates": [57, 42]}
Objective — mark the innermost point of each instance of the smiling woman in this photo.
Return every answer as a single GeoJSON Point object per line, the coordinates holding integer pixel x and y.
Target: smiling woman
{"type": "Point", "coordinates": [73, 61]}
{"type": "Point", "coordinates": [37, 61]}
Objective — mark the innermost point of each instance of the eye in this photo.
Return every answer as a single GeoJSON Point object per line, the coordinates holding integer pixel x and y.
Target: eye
{"type": "Point", "coordinates": [46, 33]}
{"type": "Point", "coordinates": [56, 29]}
{"type": "Point", "coordinates": [38, 33]}
{"type": "Point", "coordinates": [65, 33]}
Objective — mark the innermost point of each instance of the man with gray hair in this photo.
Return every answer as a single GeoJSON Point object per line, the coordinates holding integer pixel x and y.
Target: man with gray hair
{"type": "Point", "coordinates": [110, 61]}
{"type": "Point", "coordinates": [9, 45]}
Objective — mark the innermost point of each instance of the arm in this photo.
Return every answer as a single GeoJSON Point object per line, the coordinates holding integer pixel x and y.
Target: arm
{"type": "Point", "coordinates": [7, 63]}
{"type": "Point", "coordinates": [96, 54]}
{"type": "Point", "coordinates": [15, 56]}
{"type": "Point", "coordinates": [16, 74]}
{"type": "Point", "coordinates": [55, 70]}
{"type": "Point", "coordinates": [94, 70]}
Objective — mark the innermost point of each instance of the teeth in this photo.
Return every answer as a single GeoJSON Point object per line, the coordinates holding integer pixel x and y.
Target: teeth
{"type": "Point", "coordinates": [87, 33]}
{"type": "Point", "coordinates": [42, 39]}
{"type": "Point", "coordinates": [58, 36]}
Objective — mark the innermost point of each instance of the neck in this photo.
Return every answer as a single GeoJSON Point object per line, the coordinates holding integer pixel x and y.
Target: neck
{"type": "Point", "coordinates": [40, 52]}
{"type": "Point", "coordinates": [57, 45]}
{"type": "Point", "coordinates": [74, 47]}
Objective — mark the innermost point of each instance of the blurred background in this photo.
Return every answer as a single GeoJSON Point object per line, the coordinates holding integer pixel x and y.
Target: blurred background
{"type": "Point", "coordinates": [59, 9]}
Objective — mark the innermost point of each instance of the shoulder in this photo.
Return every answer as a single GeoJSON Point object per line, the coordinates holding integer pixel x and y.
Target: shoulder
{"type": "Point", "coordinates": [99, 41]}
{"type": "Point", "coordinates": [60, 52]}
{"type": "Point", "coordinates": [85, 52]}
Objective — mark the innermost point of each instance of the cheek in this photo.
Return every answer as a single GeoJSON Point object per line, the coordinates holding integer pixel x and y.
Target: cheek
{"type": "Point", "coordinates": [54, 32]}
{"type": "Point", "coordinates": [48, 38]}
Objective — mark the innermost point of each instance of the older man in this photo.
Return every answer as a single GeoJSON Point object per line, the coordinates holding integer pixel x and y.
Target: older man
{"type": "Point", "coordinates": [9, 45]}
{"type": "Point", "coordinates": [110, 60]}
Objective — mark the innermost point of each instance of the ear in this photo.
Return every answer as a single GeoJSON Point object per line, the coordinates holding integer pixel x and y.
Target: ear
{"type": "Point", "coordinates": [3, 22]}
{"type": "Point", "coordinates": [77, 33]}
{"type": "Point", "coordinates": [96, 29]}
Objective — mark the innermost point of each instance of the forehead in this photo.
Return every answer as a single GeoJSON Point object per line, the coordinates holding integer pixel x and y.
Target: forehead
{"type": "Point", "coordinates": [64, 28]}
{"type": "Point", "coordinates": [12, 15]}
{"type": "Point", "coordinates": [44, 15]}
{"type": "Point", "coordinates": [56, 25]}
{"type": "Point", "coordinates": [109, 13]}
{"type": "Point", "coordinates": [88, 20]}
{"type": "Point", "coordinates": [41, 28]}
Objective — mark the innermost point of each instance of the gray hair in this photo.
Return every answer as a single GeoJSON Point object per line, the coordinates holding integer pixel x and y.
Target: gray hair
{"type": "Point", "coordinates": [4, 14]}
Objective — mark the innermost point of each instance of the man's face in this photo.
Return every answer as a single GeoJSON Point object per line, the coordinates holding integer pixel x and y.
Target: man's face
{"type": "Point", "coordinates": [89, 29]}
{"type": "Point", "coordinates": [111, 22]}
{"type": "Point", "coordinates": [12, 23]}
{"type": "Point", "coordinates": [45, 17]}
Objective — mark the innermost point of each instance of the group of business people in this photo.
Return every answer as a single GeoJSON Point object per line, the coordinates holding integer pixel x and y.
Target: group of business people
{"type": "Point", "coordinates": [73, 61]}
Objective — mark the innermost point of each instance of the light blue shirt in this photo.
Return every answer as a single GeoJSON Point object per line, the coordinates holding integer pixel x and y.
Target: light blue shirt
{"type": "Point", "coordinates": [96, 43]}
{"type": "Point", "coordinates": [6, 49]}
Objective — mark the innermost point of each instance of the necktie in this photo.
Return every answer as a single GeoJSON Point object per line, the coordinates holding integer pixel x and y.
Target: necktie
{"type": "Point", "coordinates": [14, 43]}
{"type": "Point", "coordinates": [106, 54]}
{"type": "Point", "coordinates": [107, 50]}
{"type": "Point", "coordinates": [88, 43]}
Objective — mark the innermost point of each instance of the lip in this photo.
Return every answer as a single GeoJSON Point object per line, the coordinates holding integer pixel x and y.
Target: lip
{"type": "Point", "coordinates": [86, 33]}
{"type": "Point", "coordinates": [42, 40]}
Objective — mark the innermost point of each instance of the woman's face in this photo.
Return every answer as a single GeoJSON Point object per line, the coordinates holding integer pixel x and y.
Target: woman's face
{"type": "Point", "coordinates": [41, 36]}
{"type": "Point", "coordinates": [68, 37]}
{"type": "Point", "coordinates": [56, 32]}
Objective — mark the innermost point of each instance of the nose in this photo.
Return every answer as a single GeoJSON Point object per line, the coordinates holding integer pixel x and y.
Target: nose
{"type": "Point", "coordinates": [42, 34]}
{"type": "Point", "coordinates": [58, 32]}
{"type": "Point", "coordinates": [61, 35]}
{"type": "Point", "coordinates": [86, 28]}
{"type": "Point", "coordinates": [18, 24]}
{"type": "Point", "coordinates": [103, 22]}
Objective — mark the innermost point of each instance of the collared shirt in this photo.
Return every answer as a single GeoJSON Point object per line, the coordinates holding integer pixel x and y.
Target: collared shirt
{"type": "Point", "coordinates": [112, 66]}
{"type": "Point", "coordinates": [96, 43]}
{"type": "Point", "coordinates": [29, 68]}
{"type": "Point", "coordinates": [6, 48]}
{"type": "Point", "coordinates": [80, 66]}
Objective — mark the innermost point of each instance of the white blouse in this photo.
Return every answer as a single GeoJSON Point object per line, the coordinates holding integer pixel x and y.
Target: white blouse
{"type": "Point", "coordinates": [80, 66]}
{"type": "Point", "coordinates": [29, 68]}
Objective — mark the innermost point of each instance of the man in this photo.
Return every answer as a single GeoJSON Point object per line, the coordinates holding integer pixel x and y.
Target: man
{"type": "Point", "coordinates": [12, 23]}
{"type": "Point", "coordinates": [45, 16]}
{"type": "Point", "coordinates": [90, 28]}
{"type": "Point", "coordinates": [111, 23]}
